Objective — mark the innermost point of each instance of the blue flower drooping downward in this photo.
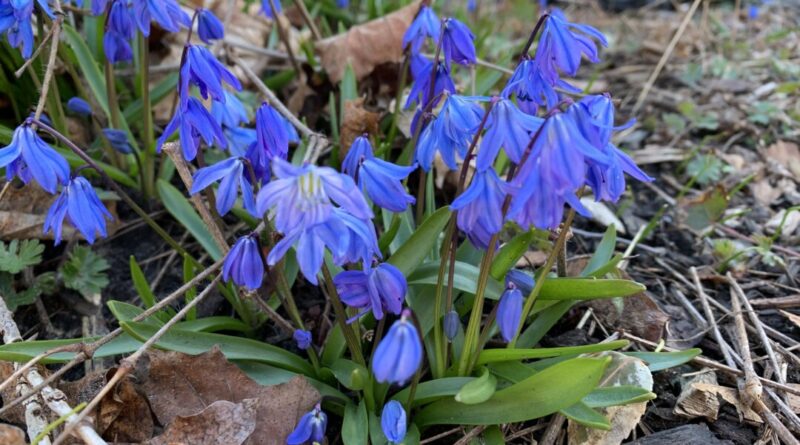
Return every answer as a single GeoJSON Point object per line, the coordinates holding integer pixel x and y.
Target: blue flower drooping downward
{"type": "Point", "coordinates": [421, 89]}
{"type": "Point", "coordinates": [266, 8]}
{"type": "Point", "coordinates": [310, 428]}
{"type": "Point", "coordinates": [79, 202]}
{"type": "Point", "coordinates": [244, 264]}
{"type": "Point", "coordinates": [30, 156]}
{"type": "Point", "coordinates": [232, 175]}
{"type": "Point", "coordinates": [509, 311]}
{"type": "Point", "coordinates": [118, 139]}
{"type": "Point", "coordinates": [16, 21]}
{"type": "Point", "coordinates": [399, 354]}
{"type": "Point", "coordinates": [208, 26]}
{"type": "Point", "coordinates": [535, 87]}
{"type": "Point", "coordinates": [302, 338]}
{"type": "Point", "coordinates": [425, 25]}
{"type": "Point", "coordinates": [380, 179]}
{"type": "Point", "coordinates": [450, 133]}
{"type": "Point", "coordinates": [79, 106]}
{"type": "Point", "coordinates": [480, 207]}
{"type": "Point", "coordinates": [563, 44]}
{"type": "Point", "coordinates": [167, 13]}
{"type": "Point", "coordinates": [507, 127]}
{"type": "Point", "coordinates": [229, 113]}
{"type": "Point", "coordinates": [381, 288]}
{"type": "Point", "coordinates": [118, 33]}
{"type": "Point", "coordinates": [201, 68]}
{"type": "Point", "coordinates": [393, 421]}
{"type": "Point", "coordinates": [458, 43]}
{"type": "Point", "coordinates": [193, 123]}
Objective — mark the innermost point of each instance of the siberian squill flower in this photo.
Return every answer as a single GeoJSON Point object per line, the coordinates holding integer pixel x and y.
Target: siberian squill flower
{"type": "Point", "coordinates": [266, 7]}
{"type": "Point", "coordinates": [271, 131]}
{"type": "Point", "coordinates": [201, 68]}
{"type": "Point", "coordinates": [458, 43]}
{"type": "Point", "coordinates": [28, 154]}
{"type": "Point", "coordinates": [562, 44]}
{"type": "Point", "coordinates": [118, 139]}
{"type": "Point", "coordinates": [421, 89]}
{"type": "Point", "coordinates": [99, 6]}
{"type": "Point", "coordinates": [509, 311]}
{"type": "Point", "coordinates": [360, 241]}
{"type": "Point", "coordinates": [167, 13]}
{"type": "Point", "coordinates": [425, 25]}
{"type": "Point", "coordinates": [16, 22]}
{"type": "Point", "coordinates": [302, 338]}
{"type": "Point", "coordinates": [380, 288]}
{"type": "Point", "coordinates": [450, 132]}
{"type": "Point", "coordinates": [79, 202]}
{"type": "Point", "coordinates": [118, 33]}
{"type": "Point", "coordinates": [393, 421]}
{"type": "Point", "coordinates": [399, 354]}
{"type": "Point", "coordinates": [208, 26]}
{"type": "Point", "coordinates": [535, 87]}
{"type": "Point", "coordinates": [232, 174]}
{"type": "Point", "coordinates": [229, 113]}
{"type": "Point", "coordinates": [303, 196]}
{"type": "Point", "coordinates": [244, 264]}
{"type": "Point", "coordinates": [522, 280]}
{"type": "Point", "coordinates": [310, 428]}
{"type": "Point", "coordinates": [507, 127]}
{"type": "Point", "coordinates": [79, 106]}
{"type": "Point", "coordinates": [480, 207]}
{"type": "Point", "coordinates": [194, 123]}
{"type": "Point", "coordinates": [381, 180]}
{"type": "Point", "coordinates": [239, 141]}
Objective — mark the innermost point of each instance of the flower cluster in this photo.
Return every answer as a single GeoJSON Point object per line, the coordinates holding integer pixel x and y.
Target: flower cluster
{"type": "Point", "coordinates": [16, 23]}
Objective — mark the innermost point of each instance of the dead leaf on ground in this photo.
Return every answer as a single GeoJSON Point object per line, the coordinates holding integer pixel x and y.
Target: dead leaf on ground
{"type": "Point", "coordinates": [785, 154]}
{"type": "Point", "coordinates": [638, 314]}
{"type": "Point", "coordinates": [124, 415]}
{"type": "Point", "coordinates": [184, 385]}
{"type": "Point", "coordinates": [221, 423]}
{"type": "Point", "coordinates": [11, 435]}
{"type": "Point", "coordinates": [693, 403]}
{"type": "Point", "coordinates": [368, 45]}
{"type": "Point", "coordinates": [356, 121]}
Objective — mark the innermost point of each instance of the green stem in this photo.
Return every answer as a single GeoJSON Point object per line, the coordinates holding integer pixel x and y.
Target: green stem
{"type": "Point", "coordinates": [148, 167]}
{"type": "Point", "coordinates": [113, 107]}
{"type": "Point", "coordinates": [440, 346]}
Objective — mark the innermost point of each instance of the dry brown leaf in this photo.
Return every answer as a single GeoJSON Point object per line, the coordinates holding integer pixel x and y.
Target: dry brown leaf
{"type": "Point", "coordinates": [222, 423]}
{"type": "Point", "coordinates": [368, 45]}
{"type": "Point", "coordinates": [124, 415]}
{"type": "Point", "coordinates": [785, 154]}
{"type": "Point", "coordinates": [638, 314]}
{"type": "Point", "coordinates": [355, 122]}
{"type": "Point", "coordinates": [764, 192]}
{"type": "Point", "coordinates": [183, 385]}
{"type": "Point", "coordinates": [11, 435]}
{"type": "Point", "coordinates": [693, 403]}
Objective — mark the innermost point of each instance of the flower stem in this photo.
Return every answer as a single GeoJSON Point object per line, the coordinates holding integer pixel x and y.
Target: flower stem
{"type": "Point", "coordinates": [148, 167]}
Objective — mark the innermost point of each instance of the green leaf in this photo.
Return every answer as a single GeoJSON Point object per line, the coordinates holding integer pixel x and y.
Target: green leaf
{"type": "Point", "coordinates": [465, 278]}
{"type": "Point", "coordinates": [510, 253]}
{"type": "Point", "coordinates": [502, 355]}
{"type": "Point", "coordinates": [26, 350]}
{"type": "Point", "coordinates": [585, 415]}
{"type": "Point", "coordinates": [419, 245]}
{"type": "Point", "coordinates": [141, 285]}
{"type": "Point", "coordinates": [269, 375]}
{"type": "Point", "coordinates": [542, 323]}
{"type": "Point", "coordinates": [478, 390]}
{"type": "Point", "coordinates": [127, 312]}
{"type": "Point", "coordinates": [658, 361]}
{"type": "Point", "coordinates": [133, 112]}
{"type": "Point", "coordinates": [214, 324]}
{"type": "Point", "coordinates": [16, 256]}
{"type": "Point", "coordinates": [180, 208]}
{"type": "Point", "coordinates": [348, 88]}
{"type": "Point", "coordinates": [604, 252]}
{"type": "Point", "coordinates": [350, 374]}
{"type": "Point", "coordinates": [431, 390]}
{"type": "Point", "coordinates": [617, 395]}
{"type": "Point", "coordinates": [493, 435]}
{"type": "Point", "coordinates": [334, 347]}
{"type": "Point", "coordinates": [84, 271]}
{"type": "Point", "coordinates": [355, 424]}
{"type": "Point", "coordinates": [234, 348]}
{"type": "Point", "coordinates": [88, 67]}
{"type": "Point", "coordinates": [555, 388]}
{"type": "Point", "coordinates": [13, 298]}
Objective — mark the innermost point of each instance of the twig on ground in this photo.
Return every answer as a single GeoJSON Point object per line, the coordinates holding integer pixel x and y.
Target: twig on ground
{"type": "Point", "coordinates": [470, 435]}
{"type": "Point", "coordinates": [701, 293]}
{"type": "Point", "coordinates": [553, 429]}
{"type": "Point", "coordinates": [51, 60]}
{"type": "Point", "coordinates": [284, 36]}
{"type": "Point", "coordinates": [440, 436]}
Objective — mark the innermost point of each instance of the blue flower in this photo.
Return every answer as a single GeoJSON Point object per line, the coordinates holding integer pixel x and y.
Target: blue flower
{"type": "Point", "coordinates": [302, 338]}
{"type": "Point", "coordinates": [509, 312]}
{"type": "Point", "coordinates": [426, 24]}
{"type": "Point", "coordinates": [451, 324]}
{"type": "Point", "coordinates": [343, 3]}
{"type": "Point", "coordinates": [480, 207]}
{"type": "Point", "coordinates": [99, 6]}
{"type": "Point", "coordinates": [232, 174]}
{"type": "Point", "coordinates": [244, 264]}
{"type": "Point", "coordinates": [271, 131]}
{"type": "Point", "coordinates": [118, 139]}
{"type": "Point", "coordinates": [399, 354]}
{"type": "Point", "coordinates": [393, 421]}
{"type": "Point", "coordinates": [266, 8]}
{"type": "Point", "coordinates": [507, 127]}
{"type": "Point", "coordinates": [303, 196]}
{"type": "Point", "coordinates": [167, 13]}
{"type": "Point", "coordinates": [201, 68]}
{"type": "Point", "coordinates": [79, 106]}
{"type": "Point", "coordinates": [534, 86]}
{"type": "Point", "coordinates": [311, 427]}
{"type": "Point", "coordinates": [15, 21]}
{"type": "Point", "coordinates": [522, 280]}
{"type": "Point", "coordinates": [193, 123]}
{"type": "Point", "coordinates": [381, 288]}
{"type": "Point", "coordinates": [230, 112]}
{"type": "Point", "coordinates": [561, 48]}
{"type": "Point", "coordinates": [359, 241]}
{"type": "Point", "coordinates": [309, 244]}
{"type": "Point", "coordinates": [116, 48]}
{"type": "Point", "coordinates": [208, 26]}
{"type": "Point", "coordinates": [31, 155]}
{"type": "Point", "coordinates": [458, 43]}
{"type": "Point", "coordinates": [380, 179]}
{"type": "Point", "coordinates": [80, 203]}
{"type": "Point", "coordinates": [450, 133]}
{"type": "Point", "coordinates": [119, 20]}
{"type": "Point", "coordinates": [421, 89]}
{"type": "Point", "coordinates": [239, 141]}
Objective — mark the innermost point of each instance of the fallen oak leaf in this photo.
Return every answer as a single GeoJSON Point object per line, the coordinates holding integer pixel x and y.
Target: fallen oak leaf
{"type": "Point", "coordinates": [221, 423]}
{"type": "Point", "coordinates": [367, 45]}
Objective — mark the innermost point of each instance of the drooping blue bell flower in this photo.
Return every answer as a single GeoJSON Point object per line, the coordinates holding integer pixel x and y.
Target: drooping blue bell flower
{"type": "Point", "coordinates": [193, 123]}
{"type": "Point", "coordinates": [381, 180]}
{"type": "Point", "coordinates": [381, 289]}
{"type": "Point", "coordinates": [310, 428]}
{"type": "Point", "coordinates": [167, 13]}
{"type": "Point", "coordinates": [232, 175]}
{"type": "Point", "coordinates": [343, 3]}
{"type": "Point", "coordinates": [118, 139]}
{"type": "Point", "coordinates": [562, 45]}
{"type": "Point", "coordinates": [480, 207]}
{"type": "Point", "coordinates": [450, 133]}
{"type": "Point", "coordinates": [16, 21]}
{"type": "Point", "coordinates": [507, 127]}
{"type": "Point", "coordinates": [399, 354]}
{"type": "Point", "coordinates": [79, 106]}
{"type": "Point", "coordinates": [229, 113]}
{"type": "Point", "coordinates": [522, 280]}
{"type": "Point", "coordinates": [421, 89]}
{"type": "Point", "coordinates": [271, 131]}
{"type": "Point", "coordinates": [360, 243]}
{"type": "Point", "coordinates": [244, 264]}
{"type": "Point", "coordinates": [201, 68]}
{"type": "Point", "coordinates": [458, 43]}
{"type": "Point", "coordinates": [30, 155]}
{"type": "Point", "coordinates": [393, 421]}
{"type": "Point", "coordinates": [80, 204]}
{"type": "Point", "coordinates": [239, 141]}
{"type": "Point", "coordinates": [208, 26]}
{"type": "Point", "coordinates": [425, 25]}
{"type": "Point", "coordinates": [98, 7]}
{"type": "Point", "coordinates": [535, 87]}
{"type": "Point", "coordinates": [266, 8]}
{"type": "Point", "coordinates": [302, 338]}
{"type": "Point", "coordinates": [509, 312]}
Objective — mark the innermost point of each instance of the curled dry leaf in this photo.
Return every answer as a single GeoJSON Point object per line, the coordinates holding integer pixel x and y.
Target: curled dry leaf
{"type": "Point", "coordinates": [356, 121]}
{"type": "Point", "coordinates": [222, 423]}
{"type": "Point", "coordinates": [184, 385]}
{"type": "Point", "coordinates": [368, 45]}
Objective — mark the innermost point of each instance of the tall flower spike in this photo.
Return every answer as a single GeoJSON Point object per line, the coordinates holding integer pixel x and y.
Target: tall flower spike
{"type": "Point", "coordinates": [450, 133]}
{"type": "Point", "coordinates": [399, 354]}
{"type": "Point", "coordinates": [458, 43]}
{"type": "Point", "coordinates": [29, 153]}
{"type": "Point", "coordinates": [380, 179]}
{"type": "Point", "coordinates": [208, 26]}
{"type": "Point", "coordinates": [509, 128]}
{"type": "Point", "coordinates": [244, 264]}
{"type": "Point", "coordinates": [381, 288]}
{"type": "Point", "coordinates": [310, 428]}
{"type": "Point", "coordinates": [194, 123]}
{"type": "Point", "coordinates": [232, 175]}
{"type": "Point", "coordinates": [201, 68]}
{"type": "Point", "coordinates": [509, 311]}
{"type": "Point", "coordinates": [80, 204]}
{"type": "Point", "coordinates": [303, 196]}
{"type": "Point", "coordinates": [425, 25]}
{"type": "Point", "coordinates": [562, 44]}
{"type": "Point", "coordinates": [393, 421]}
{"type": "Point", "coordinates": [480, 207]}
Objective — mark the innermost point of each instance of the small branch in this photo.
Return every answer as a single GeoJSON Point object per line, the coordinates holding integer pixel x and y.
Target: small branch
{"type": "Point", "coordinates": [18, 73]}
{"type": "Point", "coordinates": [276, 19]}
{"type": "Point", "coordinates": [51, 61]}
{"type": "Point", "coordinates": [301, 5]}
{"type": "Point", "coordinates": [751, 391]}
{"type": "Point", "coordinates": [710, 318]}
